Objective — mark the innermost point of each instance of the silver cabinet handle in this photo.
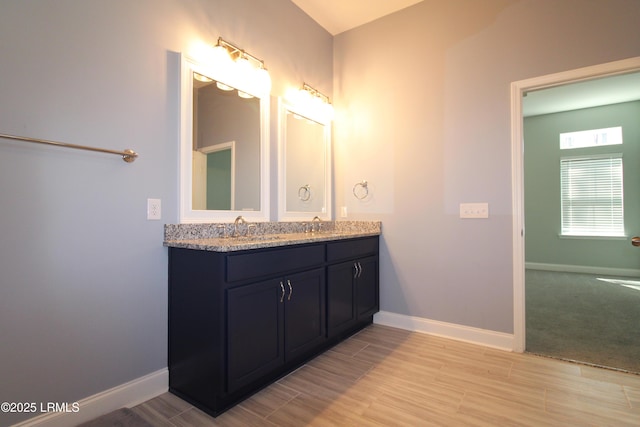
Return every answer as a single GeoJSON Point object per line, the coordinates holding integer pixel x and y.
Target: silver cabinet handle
{"type": "Point", "coordinates": [357, 270]}
{"type": "Point", "coordinates": [357, 267]}
{"type": "Point", "coordinates": [290, 290]}
{"type": "Point", "coordinates": [282, 287]}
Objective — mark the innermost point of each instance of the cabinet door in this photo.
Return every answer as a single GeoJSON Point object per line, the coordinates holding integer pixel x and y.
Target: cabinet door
{"type": "Point", "coordinates": [304, 312]}
{"type": "Point", "coordinates": [341, 313]}
{"type": "Point", "coordinates": [367, 287]}
{"type": "Point", "coordinates": [255, 339]}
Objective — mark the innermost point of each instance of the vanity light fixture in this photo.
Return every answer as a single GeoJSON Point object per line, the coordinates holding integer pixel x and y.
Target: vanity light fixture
{"type": "Point", "coordinates": [312, 103]}
{"type": "Point", "coordinates": [239, 64]}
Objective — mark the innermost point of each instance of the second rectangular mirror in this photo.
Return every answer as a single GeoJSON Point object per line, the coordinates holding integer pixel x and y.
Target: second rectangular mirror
{"type": "Point", "coordinates": [304, 165]}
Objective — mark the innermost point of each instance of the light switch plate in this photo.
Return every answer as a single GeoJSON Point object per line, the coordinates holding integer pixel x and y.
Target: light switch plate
{"type": "Point", "coordinates": [474, 210]}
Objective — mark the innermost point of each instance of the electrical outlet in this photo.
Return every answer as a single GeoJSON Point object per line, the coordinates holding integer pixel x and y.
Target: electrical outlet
{"type": "Point", "coordinates": [343, 212]}
{"type": "Point", "coordinates": [154, 209]}
{"type": "Point", "coordinates": [474, 210]}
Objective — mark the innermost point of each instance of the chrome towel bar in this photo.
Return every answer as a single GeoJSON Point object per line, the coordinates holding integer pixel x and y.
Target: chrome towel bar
{"type": "Point", "coordinates": [128, 155]}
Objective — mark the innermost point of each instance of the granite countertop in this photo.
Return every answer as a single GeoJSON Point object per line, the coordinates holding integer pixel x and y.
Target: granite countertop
{"type": "Point", "coordinates": [212, 237]}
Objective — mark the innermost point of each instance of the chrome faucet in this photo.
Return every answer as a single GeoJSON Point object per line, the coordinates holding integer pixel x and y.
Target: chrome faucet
{"type": "Point", "coordinates": [316, 219]}
{"type": "Point", "coordinates": [239, 220]}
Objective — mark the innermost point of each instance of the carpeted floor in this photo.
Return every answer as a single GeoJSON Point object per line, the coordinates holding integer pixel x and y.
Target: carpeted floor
{"type": "Point", "coordinates": [582, 317]}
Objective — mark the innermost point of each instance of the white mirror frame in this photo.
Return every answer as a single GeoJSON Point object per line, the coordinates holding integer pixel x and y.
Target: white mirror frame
{"type": "Point", "coordinates": [187, 213]}
{"type": "Point", "coordinates": [283, 215]}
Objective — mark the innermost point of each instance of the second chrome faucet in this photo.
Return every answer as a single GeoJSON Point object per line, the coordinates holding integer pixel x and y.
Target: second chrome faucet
{"type": "Point", "coordinates": [316, 220]}
{"type": "Point", "coordinates": [239, 220]}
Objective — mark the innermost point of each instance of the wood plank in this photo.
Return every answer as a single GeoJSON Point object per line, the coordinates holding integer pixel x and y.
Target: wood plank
{"type": "Point", "coordinates": [384, 376]}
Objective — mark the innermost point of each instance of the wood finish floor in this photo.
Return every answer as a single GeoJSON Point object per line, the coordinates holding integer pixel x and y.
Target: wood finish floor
{"type": "Point", "coordinates": [390, 377]}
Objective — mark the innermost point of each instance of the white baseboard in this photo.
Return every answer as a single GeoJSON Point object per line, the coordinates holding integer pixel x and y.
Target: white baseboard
{"type": "Point", "coordinates": [124, 395]}
{"type": "Point", "coordinates": [499, 340]}
{"type": "Point", "coordinates": [605, 271]}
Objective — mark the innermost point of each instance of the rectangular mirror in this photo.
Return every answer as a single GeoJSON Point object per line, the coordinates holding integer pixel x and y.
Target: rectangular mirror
{"type": "Point", "coordinates": [224, 155]}
{"type": "Point", "coordinates": [304, 158]}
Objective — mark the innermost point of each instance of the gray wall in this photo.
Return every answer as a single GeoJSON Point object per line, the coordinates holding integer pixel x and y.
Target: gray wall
{"type": "Point", "coordinates": [83, 274]}
{"type": "Point", "coordinates": [542, 187]}
{"type": "Point", "coordinates": [423, 115]}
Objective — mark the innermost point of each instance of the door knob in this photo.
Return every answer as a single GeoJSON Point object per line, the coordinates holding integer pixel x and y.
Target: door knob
{"type": "Point", "coordinates": [635, 241]}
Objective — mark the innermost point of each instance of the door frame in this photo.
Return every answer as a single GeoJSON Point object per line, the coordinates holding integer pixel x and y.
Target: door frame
{"type": "Point", "coordinates": [518, 89]}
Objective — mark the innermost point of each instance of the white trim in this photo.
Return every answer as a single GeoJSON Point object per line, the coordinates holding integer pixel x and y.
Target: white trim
{"type": "Point", "coordinates": [605, 271]}
{"type": "Point", "coordinates": [517, 169]}
{"type": "Point", "coordinates": [499, 340]}
{"type": "Point", "coordinates": [125, 395]}
{"type": "Point", "coordinates": [517, 200]}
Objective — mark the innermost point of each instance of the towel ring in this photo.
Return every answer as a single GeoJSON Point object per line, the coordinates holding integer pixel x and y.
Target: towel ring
{"type": "Point", "coordinates": [304, 193]}
{"type": "Point", "coordinates": [363, 193]}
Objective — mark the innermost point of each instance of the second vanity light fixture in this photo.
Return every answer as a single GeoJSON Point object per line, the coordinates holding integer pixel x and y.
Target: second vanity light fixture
{"type": "Point", "coordinates": [238, 65]}
{"type": "Point", "coordinates": [312, 103]}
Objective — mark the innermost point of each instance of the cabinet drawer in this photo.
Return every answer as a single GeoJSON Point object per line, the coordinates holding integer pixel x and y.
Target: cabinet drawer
{"type": "Point", "coordinates": [352, 248]}
{"type": "Point", "coordinates": [273, 261]}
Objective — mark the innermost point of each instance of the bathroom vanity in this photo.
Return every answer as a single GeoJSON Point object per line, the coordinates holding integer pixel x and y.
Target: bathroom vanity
{"type": "Point", "coordinates": [245, 311]}
{"type": "Point", "coordinates": [249, 303]}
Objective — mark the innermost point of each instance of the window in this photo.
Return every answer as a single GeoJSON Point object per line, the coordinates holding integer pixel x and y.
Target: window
{"type": "Point", "coordinates": [591, 138]}
{"type": "Point", "coordinates": [592, 199]}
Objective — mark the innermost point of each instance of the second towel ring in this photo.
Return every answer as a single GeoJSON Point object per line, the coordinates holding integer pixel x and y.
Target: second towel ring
{"type": "Point", "coordinates": [364, 192]}
{"type": "Point", "coordinates": [304, 193]}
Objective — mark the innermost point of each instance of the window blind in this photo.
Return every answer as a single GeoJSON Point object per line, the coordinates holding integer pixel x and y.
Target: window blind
{"type": "Point", "coordinates": [592, 196]}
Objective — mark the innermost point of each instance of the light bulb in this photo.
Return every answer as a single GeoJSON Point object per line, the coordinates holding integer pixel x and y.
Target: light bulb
{"type": "Point", "coordinates": [304, 97]}
{"type": "Point", "coordinates": [263, 80]}
{"type": "Point", "coordinates": [201, 78]}
{"type": "Point", "coordinates": [244, 69]}
{"type": "Point", "coordinates": [328, 112]}
{"type": "Point", "coordinates": [223, 86]}
{"type": "Point", "coordinates": [220, 56]}
{"type": "Point", "coordinates": [223, 64]}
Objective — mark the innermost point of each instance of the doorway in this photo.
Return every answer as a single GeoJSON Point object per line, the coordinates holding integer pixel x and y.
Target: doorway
{"type": "Point", "coordinates": [214, 177]}
{"type": "Point", "coordinates": [518, 90]}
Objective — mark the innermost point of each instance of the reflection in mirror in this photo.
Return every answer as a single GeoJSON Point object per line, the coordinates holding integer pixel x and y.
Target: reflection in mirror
{"type": "Point", "coordinates": [305, 171]}
{"type": "Point", "coordinates": [304, 164]}
{"type": "Point", "coordinates": [226, 148]}
{"type": "Point", "coordinates": [224, 155]}
{"type": "Point", "coordinates": [214, 184]}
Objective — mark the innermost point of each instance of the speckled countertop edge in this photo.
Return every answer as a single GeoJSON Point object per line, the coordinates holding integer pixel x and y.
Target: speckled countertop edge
{"type": "Point", "coordinates": [210, 236]}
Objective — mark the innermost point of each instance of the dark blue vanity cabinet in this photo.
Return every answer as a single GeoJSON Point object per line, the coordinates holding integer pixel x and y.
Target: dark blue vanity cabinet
{"type": "Point", "coordinates": [352, 285]}
{"type": "Point", "coordinates": [273, 322]}
{"type": "Point", "coordinates": [240, 320]}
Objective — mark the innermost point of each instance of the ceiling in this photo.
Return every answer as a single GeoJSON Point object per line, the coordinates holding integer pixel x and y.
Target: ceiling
{"type": "Point", "coordinates": [590, 93]}
{"type": "Point", "coordinates": [337, 16]}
